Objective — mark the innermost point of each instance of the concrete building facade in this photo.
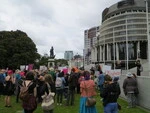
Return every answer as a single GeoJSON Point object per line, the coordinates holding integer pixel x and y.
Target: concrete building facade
{"type": "Point", "coordinates": [90, 39]}
{"type": "Point", "coordinates": [123, 32]}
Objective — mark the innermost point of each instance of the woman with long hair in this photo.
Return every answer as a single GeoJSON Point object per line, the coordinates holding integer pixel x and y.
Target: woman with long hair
{"type": "Point", "coordinates": [49, 85]}
{"type": "Point", "coordinates": [30, 105]}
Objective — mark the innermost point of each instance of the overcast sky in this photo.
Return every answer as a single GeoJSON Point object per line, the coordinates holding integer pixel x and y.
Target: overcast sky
{"type": "Point", "coordinates": [57, 23]}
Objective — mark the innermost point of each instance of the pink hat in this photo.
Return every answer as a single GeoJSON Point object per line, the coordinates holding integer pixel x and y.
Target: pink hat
{"type": "Point", "coordinates": [9, 72]}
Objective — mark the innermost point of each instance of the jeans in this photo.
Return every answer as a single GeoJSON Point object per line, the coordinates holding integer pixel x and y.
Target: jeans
{"type": "Point", "coordinates": [100, 88]}
{"type": "Point", "coordinates": [59, 95]}
{"type": "Point", "coordinates": [111, 108]}
{"type": "Point", "coordinates": [131, 99]}
{"type": "Point", "coordinates": [17, 95]}
{"type": "Point", "coordinates": [71, 96]}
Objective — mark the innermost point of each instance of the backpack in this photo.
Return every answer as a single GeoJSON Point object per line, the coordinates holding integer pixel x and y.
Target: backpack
{"type": "Point", "coordinates": [58, 82]}
{"type": "Point", "coordinates": [2, 78]}
{"type": "Point", "coordinates": [141, 68]}
{"type": "Point", "coordinates": [24, 94]}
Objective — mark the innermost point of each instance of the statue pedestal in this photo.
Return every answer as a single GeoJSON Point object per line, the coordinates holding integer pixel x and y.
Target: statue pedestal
{"type": "Point", "coordinates": [51, 63]}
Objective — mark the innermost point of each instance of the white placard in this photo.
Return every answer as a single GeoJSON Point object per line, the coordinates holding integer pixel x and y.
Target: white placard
{"type": "Point", "coordinates": [112, 73]}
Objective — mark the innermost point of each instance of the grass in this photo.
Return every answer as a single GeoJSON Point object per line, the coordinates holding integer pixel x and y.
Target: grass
{"type": "Point", "coordinates": [16, 107]}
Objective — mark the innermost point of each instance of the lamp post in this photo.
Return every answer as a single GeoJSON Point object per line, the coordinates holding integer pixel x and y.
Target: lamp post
{"type": "Point", "coordinates": [148, 40]}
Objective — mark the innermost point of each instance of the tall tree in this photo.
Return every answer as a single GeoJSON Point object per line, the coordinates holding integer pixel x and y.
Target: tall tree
{"type": "Point", "coordinates": [16, 49]}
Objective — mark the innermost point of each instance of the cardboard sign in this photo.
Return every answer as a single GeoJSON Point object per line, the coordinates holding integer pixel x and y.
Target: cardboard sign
{"type": "Point", "coordinates": [112, 73]}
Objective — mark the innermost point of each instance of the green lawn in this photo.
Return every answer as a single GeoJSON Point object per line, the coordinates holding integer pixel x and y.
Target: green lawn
{"type": "Point", "coordinates": [16, 107]}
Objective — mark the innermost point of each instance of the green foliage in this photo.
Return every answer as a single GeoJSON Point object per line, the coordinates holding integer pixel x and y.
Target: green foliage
{"type": "Point", "coordinates": [43, 60]}
{"type": "Point", "coordinates": [61, 62]}
{"type": "Point", "coordinates": [16, 49]}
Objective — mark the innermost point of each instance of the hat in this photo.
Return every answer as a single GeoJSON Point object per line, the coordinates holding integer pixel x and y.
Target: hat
{"type": "Point", "coordinates": [116, 79]}
{"type": "Point", "coordinates": [51, 69]}
{"type": "Point", "coordinates": [129, 74]}
{"type": "Point", "coordinates": [9, 72]}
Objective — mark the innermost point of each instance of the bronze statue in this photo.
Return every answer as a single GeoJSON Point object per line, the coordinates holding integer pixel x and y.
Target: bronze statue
{"type": "Point", "coordinates": [52, 52]}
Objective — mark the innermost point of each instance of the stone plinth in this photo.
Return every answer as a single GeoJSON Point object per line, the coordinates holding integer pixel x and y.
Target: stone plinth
{"type": "Point", "coordinates": [51, 62]}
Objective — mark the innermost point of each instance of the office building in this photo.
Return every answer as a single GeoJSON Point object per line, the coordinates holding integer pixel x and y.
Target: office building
{"type": "Point", "coordinates": [68, 55]}
{"type": "Point", "coordinates": [89, 42]}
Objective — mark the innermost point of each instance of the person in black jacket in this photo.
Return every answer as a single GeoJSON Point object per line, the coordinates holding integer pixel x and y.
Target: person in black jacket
{"type": "Point", "coordinates": [72, 82]}
{"type": "Point", "coordinates": [139, 67]}
{"type": "Point", "coordinates": [110, 95]}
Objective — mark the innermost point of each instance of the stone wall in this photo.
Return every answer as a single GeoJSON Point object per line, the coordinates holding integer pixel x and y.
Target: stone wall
{"type": "Point", "coordinates": [144, 90]}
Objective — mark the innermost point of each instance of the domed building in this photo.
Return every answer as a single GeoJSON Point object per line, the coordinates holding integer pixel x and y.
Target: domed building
{"type": "Point", "coordinates": [124, 25]}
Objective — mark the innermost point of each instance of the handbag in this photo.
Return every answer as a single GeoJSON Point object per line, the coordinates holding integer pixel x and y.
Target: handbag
{"type": "Point", "coordinates": [91, 101]}
{"type": "Point", "coordinates": [48, 100]}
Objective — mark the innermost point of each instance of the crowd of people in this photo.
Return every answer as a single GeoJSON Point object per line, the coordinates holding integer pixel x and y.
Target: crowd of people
{"type": "Point", "coordinates": [65, 86]}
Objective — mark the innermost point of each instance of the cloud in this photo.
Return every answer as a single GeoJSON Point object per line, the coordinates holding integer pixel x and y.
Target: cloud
{"type": "Point", "coordinates": [57, 23]}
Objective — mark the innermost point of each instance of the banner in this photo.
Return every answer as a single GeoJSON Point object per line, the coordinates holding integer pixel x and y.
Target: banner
{"type": "Point", "coordinates": [112, 73]}
{"type": "Point", "coordinates": [23, 67]}
{"type": "Point", "coordinates": [30, 67]}
{"type": "Point", "coordinates": [43, 68]}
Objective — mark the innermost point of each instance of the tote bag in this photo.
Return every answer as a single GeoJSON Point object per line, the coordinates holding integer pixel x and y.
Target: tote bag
{"type": "Point", "coordinates": [48, 100]}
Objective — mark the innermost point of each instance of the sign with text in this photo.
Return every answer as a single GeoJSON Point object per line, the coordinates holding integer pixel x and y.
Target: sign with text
{"type": "Point", "coordinates": [23, 67]}
{"type": "Point", "coordinates": [112, 73]}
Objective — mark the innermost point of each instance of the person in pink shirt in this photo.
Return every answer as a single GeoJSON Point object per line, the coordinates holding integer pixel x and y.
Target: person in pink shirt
{"type": "Point", "coordinates": [87, 89]}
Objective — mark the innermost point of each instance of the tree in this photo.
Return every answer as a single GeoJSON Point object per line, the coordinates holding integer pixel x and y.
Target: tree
{"type": "Point", "coordinates": [16, 49]}
{"type": "Point", "coordinates": [61, 62]}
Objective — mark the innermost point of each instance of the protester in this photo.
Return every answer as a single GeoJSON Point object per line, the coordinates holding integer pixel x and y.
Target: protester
{"type": "Point", "coordinates": [130, 90]}
{"type": "Point", "coordinates": [9, 88]}
{"type": "Point", "coordinates": [115, 80]}
{"type": "Point", "coordinates": [134, 76]}
{"type": "Point", "coordinates": [30, 105]}
{"type": "Point", "coordinates": [2, 81]}
{"type": "Point", "coordinates": [48, 80]}
{"type": "Point", "coordinates": [87, 89]}
{"type": "Point", "coordinates": [72, 81]}
{"type": "Point", "coordinates": [78, 74]}
{"type": "Point", "coordinates": [110, 95]}
{"type": "Point", "coordinates": [66, 86]}
{"type": "Point", "coordinates": [92, 75]}
{"type": "Point", "coordinates": [80, 79]}
{"type": "Point", "coordinates": [17, 80]}
{"type": "Point", "coordinates": [39, 83]}
{"type": "Point", "coordinates": [100, 81]}
{"type": "Point", "coordinates": [52, 73]}
{"type": "Point", "coordinates": [59, 84]}
{"type": "Point", "coordinates": [139, 67]}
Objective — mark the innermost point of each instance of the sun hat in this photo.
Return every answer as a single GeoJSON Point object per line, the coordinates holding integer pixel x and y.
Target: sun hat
{"type": "Point", "coordinates": [129, 74]}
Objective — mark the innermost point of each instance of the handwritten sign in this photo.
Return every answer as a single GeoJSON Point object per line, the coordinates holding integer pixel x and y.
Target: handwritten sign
{"type": "Point", "coordinates": [112, 73]}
